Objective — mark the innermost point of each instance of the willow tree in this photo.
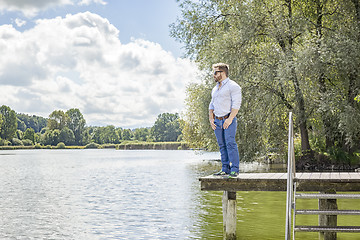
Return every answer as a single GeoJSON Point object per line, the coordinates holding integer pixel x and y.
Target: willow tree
{"type": "Point", "coordinates": [275, 57]}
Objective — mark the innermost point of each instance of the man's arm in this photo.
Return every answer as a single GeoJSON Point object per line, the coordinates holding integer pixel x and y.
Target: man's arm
{"type": "Point", "coordinates": [229, 120]}
{"type": "Point", "coordinates": [211, 119]}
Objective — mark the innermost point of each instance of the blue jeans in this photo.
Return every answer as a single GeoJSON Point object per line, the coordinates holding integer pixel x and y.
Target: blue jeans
{"type": "Point", "coordinates": [228, 148]}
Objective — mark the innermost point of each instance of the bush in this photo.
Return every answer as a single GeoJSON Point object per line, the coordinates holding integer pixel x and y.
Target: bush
{"type": "Point", "coordinates": [37, 146]}
{"type": "Point", "coordinates": [48, 147]}
{"type": "Point", "coordinates": [17, 142]}
{"type": "Point", "coordinates": [4, 142]}
{"type": "Point", "coordinates": [27, 142]}
{"type": "Point", "coordinates": [92, 145]}
{"type": "Point", "coordinates": [60, 145]}
{"type": "Point", "coordinates": [108, 145]}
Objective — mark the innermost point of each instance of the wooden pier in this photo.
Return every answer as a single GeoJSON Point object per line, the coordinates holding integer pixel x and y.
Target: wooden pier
{"type": "Point", "coordinates": [310, 181]}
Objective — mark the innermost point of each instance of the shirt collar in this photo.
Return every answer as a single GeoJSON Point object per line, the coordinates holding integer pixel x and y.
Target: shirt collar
{"type": "Point", "coordinates": [224, 81]}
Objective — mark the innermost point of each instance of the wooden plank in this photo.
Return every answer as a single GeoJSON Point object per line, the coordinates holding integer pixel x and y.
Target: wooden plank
{"type": "Point", "coordinates": [325, 175]}
{"type": "Point", "coordinates": [335, 176]}
{"type": "Point", "coordinates": [354, 175]}
{"type": "Point", "coordinates": [316, 175]}
{"type": "Point", "coordinates": [277, 182]}
{"type": "Point", "coordinates": [282, 176]}
{"type": "Point", "coordinates": [299, 175]}
{"type": "Point", "coordinates": [306, 176]}
{"type": "Point", "coordinates": [344, 176]}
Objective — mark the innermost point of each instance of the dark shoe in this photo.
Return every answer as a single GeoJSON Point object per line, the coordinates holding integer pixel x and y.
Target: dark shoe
{"type": "Point", "coordinates": [233, 175]}
{"type": "Point", "coordinates": [221, 173]}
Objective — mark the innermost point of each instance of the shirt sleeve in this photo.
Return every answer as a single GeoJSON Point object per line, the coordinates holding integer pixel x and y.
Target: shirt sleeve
{"type": "Point", "coordinates": [211, 105]}
{"type": "Point", "coordinates": [236, 96]}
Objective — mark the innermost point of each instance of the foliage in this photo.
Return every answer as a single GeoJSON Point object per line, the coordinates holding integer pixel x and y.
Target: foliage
{"type": "Point", "coordinates": [27, 142]}
{"type": "Point", "coordinates": [107, 134]}
{"type": "Point", "coordinates": [141, 134]}
{"type": "Point", "coordinates": [57, 120]}
{"type": "Point", "coordinates": [37, 146]}
{"type": "Point", "coordinates": [4, 142]}
{"type": "Point", "coordinates": [92, 145]}
{"type": "Point", "coordinates": [76, 123]}
{"type": "Point", "coordinates": [166, 127]}
{"type": "Point", "coordinates": [196, 127]}
{"type": "Point", "coordinates": [9, 123]}
{"type": "Point", "coordinates": [60, 145]}
{"type": "Point", "coordinates": [30, 134]}
{"type": "Point", "coordinates": [127, 134]}
{"type": "Point", "coordinates": [299, 56]}
{"type": "Point", "coordinates": [17, 142]}
{"type": "Point", "coordinates": [69, 128]}
{"type": "Point", "coordinates": [26, 121]}
{"type": "Point", "coordinates": [135, 145]}
{"type": "Point", "coordinates": [67, 136]}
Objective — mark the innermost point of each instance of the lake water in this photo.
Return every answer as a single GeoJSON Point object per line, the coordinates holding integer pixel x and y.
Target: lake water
{"type": "Point", "coordinates": [114, 194]}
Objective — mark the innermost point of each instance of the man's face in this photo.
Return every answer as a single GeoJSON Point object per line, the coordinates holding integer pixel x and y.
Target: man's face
{"type": "Point", "coordinates": [217, 74]}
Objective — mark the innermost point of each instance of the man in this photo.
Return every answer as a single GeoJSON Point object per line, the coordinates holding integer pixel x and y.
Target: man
{"type": "Point", "coordinates": [225, 104]}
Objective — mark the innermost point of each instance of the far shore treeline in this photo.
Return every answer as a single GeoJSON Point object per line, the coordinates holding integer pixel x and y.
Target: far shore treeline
{"type": "Point", "coordinates": [68, 129]}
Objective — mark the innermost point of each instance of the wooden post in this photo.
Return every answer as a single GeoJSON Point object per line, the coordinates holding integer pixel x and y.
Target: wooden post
{"type": "Point", "coordinates": [224, 208]}
{"type": "Point", "coordinates": [229, 215]}
{"type": "Point", "coordinates": [328, 220]}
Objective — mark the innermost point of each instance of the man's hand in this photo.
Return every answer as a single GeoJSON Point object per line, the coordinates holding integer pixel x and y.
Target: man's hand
{"type": "Point", "coordinates": [213, 126]}
{"type": "Point", "coordinates": [227, 123]}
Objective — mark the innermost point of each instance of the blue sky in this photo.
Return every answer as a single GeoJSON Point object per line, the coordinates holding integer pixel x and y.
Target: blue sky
{"type": "Point", "coordinates": [114, 60]}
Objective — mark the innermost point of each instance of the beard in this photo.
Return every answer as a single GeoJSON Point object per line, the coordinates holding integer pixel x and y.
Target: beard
{"type": "Point", "coordinates": [217, 79]}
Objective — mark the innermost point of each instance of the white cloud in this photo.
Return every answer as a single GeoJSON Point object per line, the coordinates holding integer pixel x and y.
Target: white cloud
{"type": "Point", "coordinates": [88, 2]}
{"type": "Point", "coordinates": [79, 62]}
{"type": "Point", "coordinates": [19, 22]}
{"type": "Point", "coordinates": [31, 8]}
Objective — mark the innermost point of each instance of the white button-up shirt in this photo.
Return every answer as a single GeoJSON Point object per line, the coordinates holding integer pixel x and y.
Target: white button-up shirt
{"type": "Point", "coordinates": [225, 98]}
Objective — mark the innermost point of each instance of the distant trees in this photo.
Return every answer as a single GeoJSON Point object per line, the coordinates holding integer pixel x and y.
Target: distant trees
{"type": "Point", "coordinates": [66, 127]}
{"type": "Point", "coordinates": [29, 134]}
{"type": "Point", "coordinates": [26, 121]}
{"type": "Point", "coordinates": [57, 120]}
{"type": "Point", "coordinates": [166, 128]}
{"type": "Point", "coordinates": [76, 123]}
{"type": "Point", "coordinates": [70, 128]}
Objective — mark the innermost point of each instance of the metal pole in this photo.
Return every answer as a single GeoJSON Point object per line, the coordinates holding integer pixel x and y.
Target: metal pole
{"type": "Point", "coordinates": [289, 181]}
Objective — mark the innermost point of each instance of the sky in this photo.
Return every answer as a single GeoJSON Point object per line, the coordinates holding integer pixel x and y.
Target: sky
{"type": "Point", "coordinates": [114, 60]}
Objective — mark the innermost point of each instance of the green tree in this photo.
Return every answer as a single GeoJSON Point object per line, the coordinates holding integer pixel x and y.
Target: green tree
{"type": "Point", "coordinates": [1, 122]}
{"type": "Point", "coordinates": [299, 56]}
{"type": "Point", "coordinates": [86, 139]}
{"type": "Point", "coordinates": [9, 123]}
{"type": "Point", "coordinates": [29, 134]}
{"type": "Point", "coordinates": [106, 134]}
{"type": "Point", "coordinates": [166, 127]}
{"type": "Point", "coordinates": [127, 134]}
{"type": "Point", "coordinates": [57, 120]}
{"type": "Point", "coordinates": [76, 123]}
{"type": "Point", "coordinates": [141, 134]}
{"type": "Point", "coordinates": [19, 134]}
{"type": "Point", "coordinates": [110, 135]}
{"type": "Point", "coordinates": [27, 121]}
{"type": "Point", "coordinates": [66, 136]}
